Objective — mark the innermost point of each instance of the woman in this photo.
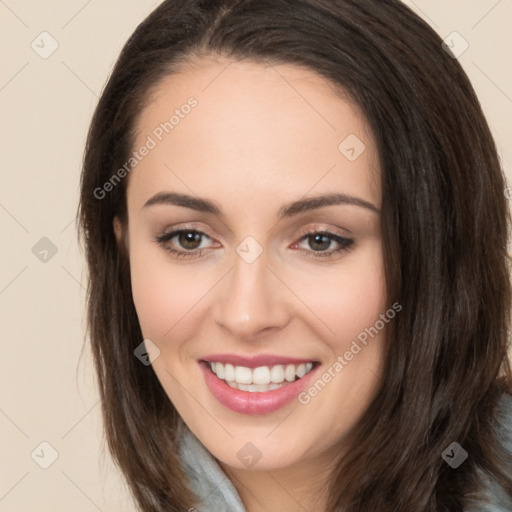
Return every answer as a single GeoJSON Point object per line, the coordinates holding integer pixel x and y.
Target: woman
{"type": "Point", "coordinates": [296, 234]}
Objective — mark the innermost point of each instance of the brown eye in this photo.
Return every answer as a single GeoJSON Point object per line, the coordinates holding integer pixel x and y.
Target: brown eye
{"type": "Point", "coordinates": [189, 239]}
{"type": "Point", "coordinates": [183, 243]}
{"type": "Point", "coordinates": [320, 243]}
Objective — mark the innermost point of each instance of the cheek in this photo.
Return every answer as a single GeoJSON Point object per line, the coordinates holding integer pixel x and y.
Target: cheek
{"type": "Point", "coordinates": [342, 300]}
{"type": "Point", "coordinates": [349, 298]}
{"type": "Point", "coordinates": [161, 295]}
{"type": "Point", "coordinates": [171, 299]}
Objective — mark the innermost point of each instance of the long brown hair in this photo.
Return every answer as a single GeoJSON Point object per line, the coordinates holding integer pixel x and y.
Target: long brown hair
{"type": "Point", "coordinates": [445, 227]}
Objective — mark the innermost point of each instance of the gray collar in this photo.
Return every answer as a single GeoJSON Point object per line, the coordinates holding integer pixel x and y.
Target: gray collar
{"type": "Point", "coordinates": [206, 477]}
{"type": "Point", "coordinates": [218, 494]}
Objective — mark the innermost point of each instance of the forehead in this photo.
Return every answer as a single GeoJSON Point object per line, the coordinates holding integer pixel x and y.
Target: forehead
{"type": "Point", "coordinates": [254, 127]}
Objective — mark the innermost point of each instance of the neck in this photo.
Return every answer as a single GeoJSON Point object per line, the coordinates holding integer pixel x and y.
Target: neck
{"type": "Point", "coordinates": [296, 488]}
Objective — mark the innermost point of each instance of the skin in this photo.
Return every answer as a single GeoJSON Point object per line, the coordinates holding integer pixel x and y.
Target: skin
{"type": "Point", "coordinates": [260, 137]}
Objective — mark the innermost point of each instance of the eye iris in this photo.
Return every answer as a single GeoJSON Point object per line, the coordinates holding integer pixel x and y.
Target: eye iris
{"type": "Point", "coordinates": [316, 240]}
{"type": "Point", "coordinates": [188, 238]}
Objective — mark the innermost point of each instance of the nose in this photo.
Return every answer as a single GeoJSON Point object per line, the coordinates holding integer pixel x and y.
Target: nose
{"type": "Point", "coordinates": [251, 300]}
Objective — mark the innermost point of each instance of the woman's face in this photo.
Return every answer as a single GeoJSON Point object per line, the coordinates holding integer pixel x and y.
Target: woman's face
{"type": "Point", "coordinates": [246, 158]}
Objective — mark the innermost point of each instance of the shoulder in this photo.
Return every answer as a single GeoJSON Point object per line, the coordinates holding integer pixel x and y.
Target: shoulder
{"type": "Point", "coordinates": [504, 426]}
{"type": "Point", "coordinates": [505, 416]}
{"type": "Point", "coordinates": [496, 499]}
{"type": "Point", "coordinates": [205, 476]}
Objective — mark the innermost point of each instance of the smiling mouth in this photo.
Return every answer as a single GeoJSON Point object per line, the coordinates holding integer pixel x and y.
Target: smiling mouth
{"type": "Point", "coordinates": [262, 378]}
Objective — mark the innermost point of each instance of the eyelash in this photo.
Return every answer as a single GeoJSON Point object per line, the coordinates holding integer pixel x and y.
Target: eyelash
{"type": "Point", "coordinates": [345, 244]}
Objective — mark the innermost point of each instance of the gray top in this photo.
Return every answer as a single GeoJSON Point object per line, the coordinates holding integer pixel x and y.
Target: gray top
{"type": "Point", "coordinates": [206, 477]}
{"type": "Point", "coordinates": [217, 493]}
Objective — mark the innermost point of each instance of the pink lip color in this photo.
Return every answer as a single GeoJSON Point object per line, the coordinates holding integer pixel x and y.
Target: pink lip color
{"type": "Point", "coordinates": [246, 402]}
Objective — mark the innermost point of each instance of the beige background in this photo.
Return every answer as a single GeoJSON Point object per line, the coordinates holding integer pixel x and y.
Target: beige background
{"type": "Point", "coordinates": [47, 393]}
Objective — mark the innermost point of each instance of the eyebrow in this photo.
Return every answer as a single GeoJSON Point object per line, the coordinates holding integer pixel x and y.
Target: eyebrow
{"type": "Point", "coordinates": [289, 210]}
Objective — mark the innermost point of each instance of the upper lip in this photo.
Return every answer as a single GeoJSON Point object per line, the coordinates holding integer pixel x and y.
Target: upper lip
{"type": "Point", "coordinates": [254, 361]}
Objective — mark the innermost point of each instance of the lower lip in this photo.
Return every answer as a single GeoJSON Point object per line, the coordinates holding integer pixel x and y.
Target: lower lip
{"type": "Point", "coordinates": [259, 402]}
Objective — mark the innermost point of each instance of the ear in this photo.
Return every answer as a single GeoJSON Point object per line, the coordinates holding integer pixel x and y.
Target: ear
{"type": "Point", "coordinates": [118, 230]}
{"type": "Point", "coordinates": [121, 236]}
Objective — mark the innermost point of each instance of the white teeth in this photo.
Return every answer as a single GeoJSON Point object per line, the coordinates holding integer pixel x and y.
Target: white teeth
{"type": "Point", "coordinates": [289, 373]}
{"type": "Point", "coordinates": [219, 371]}
{"type": "Point", "coordinates": [262, 378]}
{"type": "Point", "coordinates": [254, 387]}
{"type": "Point", "coordinates": [260, 375]}
{"type": "Point", "coordinates": [243, 375]}
{"type": "Point", "coordinates": [301, 370]}
{"type": "Point", "coordinates": [277, 374]}
{"type": "Point", "coordinates": [229, 371]}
